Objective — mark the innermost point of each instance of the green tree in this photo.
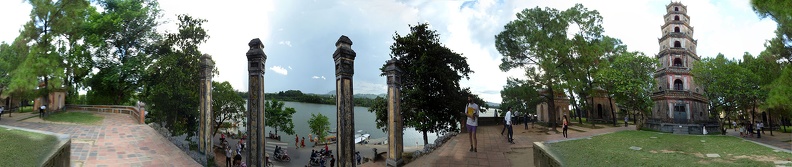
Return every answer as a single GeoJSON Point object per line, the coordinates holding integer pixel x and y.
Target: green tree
{"type": "Point", "coordinates": [430, 82]}
{"type": "Point", "coordinates": [227, 105]}
{"type": "Point", "coordinates": [538, 38]}
{"type": "Point", "coordinates": [726, 84]}
{"type": "Point", "coordinates": [631, 77]}
{"type": "Point", "coordinates": [521, 95]}
{"type": "Point", "coordinates": [279, 118]}
{"type": "Point", "coordinates": [781, 12]}
{"type": "Point", "coordinates": [171, 83]}
{"type": "Point", "coordinates": [780, 92]}
{"type": "Point", "coordinates": [319, 125]}
{"type": "Point", "coordinates": [53, 33]}
{"type": "Point", "coordinates": [11, 55]}
{"type": "Point", "coordinates": [120, 34]}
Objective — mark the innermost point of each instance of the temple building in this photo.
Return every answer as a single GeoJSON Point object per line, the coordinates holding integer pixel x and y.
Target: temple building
{"type": "Point", "coordinates": [680, 105]}
{"type": "Point", "coordinates": [561, 105]}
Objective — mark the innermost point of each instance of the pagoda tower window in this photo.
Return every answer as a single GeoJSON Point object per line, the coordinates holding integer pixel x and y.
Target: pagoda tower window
{"type": "Point", "coordinates": [677, 44]}
{"type": "Point", "coordinates": [676, 9]}
{"type": "Point", "coordinates": [676, 18]}
{"type": "Point", "coordinates": [677, 84]}
{"type": "Point", "coordinates": [676, 29]}
{"type": "Point", "coordinates": [677, 62]}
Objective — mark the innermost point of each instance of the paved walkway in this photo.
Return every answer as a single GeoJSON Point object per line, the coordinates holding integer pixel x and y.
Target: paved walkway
{"type": "Point", "coordinates": [118, 141]}
{"type": "Point", "coordinates": [780, 140]}
{"type": "Point", "coordinates": [493, 150]}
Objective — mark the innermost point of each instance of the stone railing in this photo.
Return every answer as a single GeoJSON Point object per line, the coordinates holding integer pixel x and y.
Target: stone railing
{"type": "Point", "coordinates": [137, 113]}
{"type": "Point", "coordinates": [59, 154]}
{"type": "Point", "coordinates": [543, 157]}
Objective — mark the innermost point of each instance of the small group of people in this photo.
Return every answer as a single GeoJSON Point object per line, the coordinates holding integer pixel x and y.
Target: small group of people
{"type": "Point", "coordinates": [749, 129]}
{"type": "Point", "coordinates": [299, 143]}
{"type": "Point", "coordinates": [237, 157]}
{"type": "Point", "coordinates": [321, 156]}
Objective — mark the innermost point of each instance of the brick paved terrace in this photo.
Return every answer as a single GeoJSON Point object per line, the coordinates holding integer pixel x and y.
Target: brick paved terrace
{"type": "Point", "coordinates": [118, 141]}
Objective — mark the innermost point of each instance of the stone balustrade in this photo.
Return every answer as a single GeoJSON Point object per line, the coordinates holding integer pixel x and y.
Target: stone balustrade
{"type": "Point", "coordinates": [137, 113]}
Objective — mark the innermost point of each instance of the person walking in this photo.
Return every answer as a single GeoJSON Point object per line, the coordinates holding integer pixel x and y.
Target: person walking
{"type": "Point", "coordinates": [296, 141]}
{"type": "Point", "coordinates": [332, 161]}
{"type": "Point", "coordinates": [758, 129]}
{"type": "Point", "coordinates": [228, 156]}
{"type": "Point", "coordinates": [1, 112]}
{"type": "Point", "coordinates": [508, 119]}
{"type": "Point", "coordinates": [41, 111]}
{"type": "Point", "coordinates": [565, 127]}
{"type": "Point", "coordinates": [472, 113]}
{"type": "Point", "coordinates": [525, 119]}
{"type": "Point", "coordinates": [302, 142]}
{"type": "Point", "coordinates": [626, 119]}
{"type": "Point", "coordinates": [761, 127]}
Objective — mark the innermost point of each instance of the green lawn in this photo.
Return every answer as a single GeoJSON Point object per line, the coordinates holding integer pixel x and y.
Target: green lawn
{"type": "Point", "coordinates": [25, 109]}
{"type": "Point", "coordinates": [75, 117]}
{"type": "Point", "coordinates": [665, 150]}
{"type": "Point", "coordinates": [21, 148]}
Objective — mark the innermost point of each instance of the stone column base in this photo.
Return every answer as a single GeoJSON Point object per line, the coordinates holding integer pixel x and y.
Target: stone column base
{"type": "Point", "coordinates": [392, 162]}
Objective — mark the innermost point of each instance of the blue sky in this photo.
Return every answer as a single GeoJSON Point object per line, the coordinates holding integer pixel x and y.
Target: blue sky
{"type": "Point", "coordinates": [299, 35]}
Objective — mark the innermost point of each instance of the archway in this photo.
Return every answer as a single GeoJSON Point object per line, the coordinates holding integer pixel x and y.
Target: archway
{"type": "Point", "coordinates": [676, 9]}
{"type": "Point", "coordinates": [678, 84]}
{"type": "Point", "coordinates": [676, 29]}
{"type": "Point", "coordinates": [677, 44]}
{"type": "Point", "coordinates": [676, 18]}
{"type": "Point", "coordinates": [599, 110]}
{"type": "Point", "coordinates": [677, 62]}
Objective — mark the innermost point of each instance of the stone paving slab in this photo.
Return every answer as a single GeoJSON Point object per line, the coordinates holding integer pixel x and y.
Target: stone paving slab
{"type": "Point", "coordinates": [118, 141]}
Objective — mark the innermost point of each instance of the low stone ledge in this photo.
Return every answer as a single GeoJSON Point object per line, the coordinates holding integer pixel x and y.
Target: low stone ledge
{"type": "Point", "coordinates": [543, 157]}
{"type": "Point", "coordinates": [59, 154]}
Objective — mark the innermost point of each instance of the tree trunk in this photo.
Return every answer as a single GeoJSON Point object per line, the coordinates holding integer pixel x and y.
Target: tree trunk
{"type": "Point", "coordinates": [728, 119]}
{"type": "Point", "coordinates": [770, 123]}
{"type": "Point", "coordinates": [753, 112]}
{"type": "Point", "coordinates": [613, 113]}
{"type": "Point", "coordinates": [575, 106]}
{"type": "Point", "coordinates": [551, 109]}
{"type": "Point", "coordinates": [591, 112]}
{"type": "Point", "coordinates": [425, 138]}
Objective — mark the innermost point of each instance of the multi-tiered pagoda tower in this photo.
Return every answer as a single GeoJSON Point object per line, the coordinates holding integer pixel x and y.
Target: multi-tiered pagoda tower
{"type": "Point", "coordinates": [678, 99]}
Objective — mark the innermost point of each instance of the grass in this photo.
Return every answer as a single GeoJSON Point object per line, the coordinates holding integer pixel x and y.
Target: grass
{"type": "Point", "coordinates": [75, 117]}
{"type": "Point", "coordinates": [25, 109]}
{"type": "Point", "coordinates": [22, 148]}
{"type": "Point", "coordinates": [665, 150]}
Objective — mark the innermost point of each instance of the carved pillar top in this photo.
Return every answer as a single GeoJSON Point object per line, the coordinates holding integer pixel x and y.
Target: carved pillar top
{"type": "Point", "coordinates": [207, 64]}
{"type": "Point", "coordinates": [256, 57]}
{"type": "Point", "coordinates": [393, 72]}
{"type": "Point", "coordinates": [344, 57]}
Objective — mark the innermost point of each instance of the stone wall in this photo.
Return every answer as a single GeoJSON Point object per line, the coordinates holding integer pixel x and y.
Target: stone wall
{"type": "Point", "coordinates": [543, 157]}
{"type": "Point", "coordinates": [137, 113]}
{"type": "Point", "coordinates": [695, 129]}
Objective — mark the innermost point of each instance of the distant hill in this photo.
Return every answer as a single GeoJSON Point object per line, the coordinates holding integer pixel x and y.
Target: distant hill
{"type": "Point", "coordinates": [368, 96]}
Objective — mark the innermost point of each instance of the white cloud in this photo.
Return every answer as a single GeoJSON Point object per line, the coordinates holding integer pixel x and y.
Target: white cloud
{"type": "Point", "coordinates": [290, 67]}
{"type": "Point", "coordinates": [287, 43]}
{"type": "Point", "coordinates": [280, 70]}
{"type": "Point", "coordinates": [369, 88]}
{"type": "Point", "coordinates": [318, 77]}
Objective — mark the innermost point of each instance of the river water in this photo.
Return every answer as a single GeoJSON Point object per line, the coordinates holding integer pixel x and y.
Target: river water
{"type": "Point", "coordinates": [364, 120]}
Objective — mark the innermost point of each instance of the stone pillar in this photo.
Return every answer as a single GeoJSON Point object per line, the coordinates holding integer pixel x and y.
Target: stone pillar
{"type": "Point", "coordinates": [255, 112]}
{"type": "Point", "coordinates": [344, 58]}
{"type": "Point", "coordinates": [395, 142]}
{"type": "Point", "coordinates": [205, 132]}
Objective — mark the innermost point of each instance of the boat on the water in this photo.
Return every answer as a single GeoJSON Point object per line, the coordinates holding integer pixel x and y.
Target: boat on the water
{"type": "Point", "coordinates": [361, 137]}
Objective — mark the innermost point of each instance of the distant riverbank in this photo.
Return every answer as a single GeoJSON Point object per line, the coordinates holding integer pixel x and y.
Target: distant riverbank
{"type": "Point", "coordinates": [364, 100]}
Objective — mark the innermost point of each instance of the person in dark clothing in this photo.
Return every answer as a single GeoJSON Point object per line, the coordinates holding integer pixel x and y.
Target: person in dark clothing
{"type": "Point", "coordinates": [525, 119]}
{"type": "Point", "coordinates": [332, 161]}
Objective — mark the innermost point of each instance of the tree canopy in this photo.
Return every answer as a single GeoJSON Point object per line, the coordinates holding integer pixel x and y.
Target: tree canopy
{"type": "Point", "coordinates": [278, 117]}
{"type": "Point", "coordinates": [319, 125]}
{"type": "Point", "coordinates": [630, 75]}
{"type": "Point", "coordinates": [171, 83]}
{"type": "Point", "coordinates": [227, 105]}
{"type": "Point", "coordinates": [430, 80]}
{"type": "Point", "coordinates": [538, 39]}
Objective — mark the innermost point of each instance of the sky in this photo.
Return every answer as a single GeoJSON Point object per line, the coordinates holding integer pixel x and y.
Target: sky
{"type": "Point", "coordinates": [300, 35]}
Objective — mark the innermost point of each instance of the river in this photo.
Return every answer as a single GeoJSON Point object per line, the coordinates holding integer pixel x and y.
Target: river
{"type": "Point", "coordinates": [364, 120]}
